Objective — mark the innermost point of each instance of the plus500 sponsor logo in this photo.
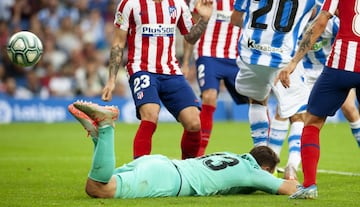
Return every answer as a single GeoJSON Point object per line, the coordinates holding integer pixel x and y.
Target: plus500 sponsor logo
{"type": "Point", "coordinates": [223, 16]}
{"type": "Point", "coordinates": [155, 30]}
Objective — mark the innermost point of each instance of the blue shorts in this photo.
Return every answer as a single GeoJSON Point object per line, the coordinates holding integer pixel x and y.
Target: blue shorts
{"type": "Point", "coordinates": [211, 70]}
{"type": "Point", "coordinates": [331, 90]}
{"type": "Point", "coordinates": [173, 91]}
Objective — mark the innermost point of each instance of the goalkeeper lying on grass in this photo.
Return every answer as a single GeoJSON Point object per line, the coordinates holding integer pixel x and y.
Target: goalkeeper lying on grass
{"type": "Point", "coordinates": [159, 176]}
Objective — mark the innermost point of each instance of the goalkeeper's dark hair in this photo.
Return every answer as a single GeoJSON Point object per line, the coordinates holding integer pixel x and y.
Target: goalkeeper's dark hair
{"type": "Point", "coordinates": [265, 156]}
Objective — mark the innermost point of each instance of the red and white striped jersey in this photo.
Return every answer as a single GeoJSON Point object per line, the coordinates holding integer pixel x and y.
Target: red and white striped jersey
{"type": "Point", "coordinates": [345, 54]}
{"type": "Point", "coordinates": [151, 30]}
{"type": "Point", "coordinates": [220, 37]}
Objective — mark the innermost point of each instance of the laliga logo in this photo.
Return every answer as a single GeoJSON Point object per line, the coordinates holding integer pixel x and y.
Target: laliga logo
{"type": "Point", "coordinates": [5, 112]}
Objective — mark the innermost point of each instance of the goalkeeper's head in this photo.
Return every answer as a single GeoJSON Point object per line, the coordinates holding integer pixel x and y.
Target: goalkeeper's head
{"type": "Point", "coordinates": [265, 157]}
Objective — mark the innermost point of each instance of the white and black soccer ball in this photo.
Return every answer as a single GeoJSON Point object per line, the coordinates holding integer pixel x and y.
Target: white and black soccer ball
{"type": "Point", "coordinates": [24, 48]}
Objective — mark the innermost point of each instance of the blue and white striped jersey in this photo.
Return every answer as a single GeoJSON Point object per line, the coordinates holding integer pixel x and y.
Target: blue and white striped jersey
{"type": "Point", "coordinates": [271, 29]}
{"type": "Point", "coordinates": [316, 57]}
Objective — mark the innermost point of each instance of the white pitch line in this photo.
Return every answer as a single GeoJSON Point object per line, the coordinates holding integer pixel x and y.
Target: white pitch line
{"type": "Point", "coordinates": [338, 172]}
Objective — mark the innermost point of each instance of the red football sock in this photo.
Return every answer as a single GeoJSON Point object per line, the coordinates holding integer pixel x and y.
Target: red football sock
{"type": "Point", "coordinates": [206, 117]}
{"type": "Point", "coordinates": [143, 137]}
{"type": "Point", "coordinates": [310, 154]}
{"type": "Point", "coordinates": [190, 144]}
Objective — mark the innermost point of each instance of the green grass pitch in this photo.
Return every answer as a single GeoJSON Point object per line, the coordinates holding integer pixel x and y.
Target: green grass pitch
{"type": "Point", "coordinates": [46, 165]}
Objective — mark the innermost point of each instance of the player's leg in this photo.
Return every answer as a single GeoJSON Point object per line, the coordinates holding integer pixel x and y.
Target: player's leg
{"type": "Point", "coordinates": [278, 133]}
{"type": "Point", "coordinates": [254, 81]}
{"type": "Point", "coordinates": [104, 156]}
{"type": "Point", "coordinates": [351, 113]}
{"type": "Point", "coordinates": [207, 68]}
{"type": "Point", "coordinates": [310, 153]}
{"type": "Point", "coordinates": [100, 182]}
{"type": "Point", "coordinates": [142, 144]}
{"type": "Point", "coordinates": [191, 138]}
{"type": "Point", "coordinates": [180, 100]}
{"type": "Point", "coordinates": [325, 99]}
{"type": "Point", "coordinates": [292, 103]}
{"type": "Point", "coordinates": [146, 98]}
{"type": "Point", "coordinates": [208, 107]}
{"type": "Point", "coordinates": [259, 122]}
{"type": "Point", "coordinates": [294, 157]}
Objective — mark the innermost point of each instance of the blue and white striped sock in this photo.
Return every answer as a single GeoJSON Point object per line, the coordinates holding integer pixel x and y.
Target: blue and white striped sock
{"type": "Point", "coordinates": [277, 135]}
{"type": "Point", "coordinates": [294, 144]}
{"type": "Point", "coordinates": [259, 124]}
{"type": "Point", "coordinates": [355, 130]}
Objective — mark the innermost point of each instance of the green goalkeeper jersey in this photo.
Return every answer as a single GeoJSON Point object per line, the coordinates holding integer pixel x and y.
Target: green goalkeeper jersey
{"type": "Point", "coordinates": [218, 173]}
{"type": "Point", "coordinates": [227, 173]}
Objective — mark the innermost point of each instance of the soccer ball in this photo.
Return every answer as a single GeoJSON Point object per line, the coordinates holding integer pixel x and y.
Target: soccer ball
{"type": "Point", "coordinates": [24, 48]}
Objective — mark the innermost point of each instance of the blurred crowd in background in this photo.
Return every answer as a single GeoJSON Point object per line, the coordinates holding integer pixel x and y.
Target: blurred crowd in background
{"type": "Point", "coordinates": [76, 36]}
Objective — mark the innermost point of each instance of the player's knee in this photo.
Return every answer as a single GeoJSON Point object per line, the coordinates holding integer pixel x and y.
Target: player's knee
{"type": "Point", "coordinates": [192, 125]}
{"type": "Point", "coordinates": [150, 116]}
{"type": "Point", "coordinates": [92, 190]}
{"type": "Point", "coordinates": [149, 112]}
{"type": "Point", "coordinates": [96, 189]}
{"type": "Point", "coordinates": [209, 97]}
{"type": "Point", "coordinates": [190, 119]}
